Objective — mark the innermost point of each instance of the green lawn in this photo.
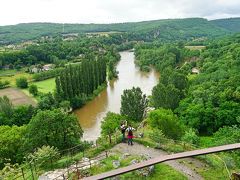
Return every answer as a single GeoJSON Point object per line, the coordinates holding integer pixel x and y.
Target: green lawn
{"type": "Point", "coordinates": [12, 75]}
{"type": "Point", "coordinates": [7, 72]}
{"type": "Point", "coordinates": [46, 86]}
{"type": "Point", "coordinates": [161, 171]}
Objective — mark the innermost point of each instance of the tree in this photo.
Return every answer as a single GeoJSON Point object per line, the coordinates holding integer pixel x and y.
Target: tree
{"type": "Point", "coordinates": [167, 122]}
{"type": "Point", "coordinates": [11, 143]}
{"type": "Point", "coordinates": [6, 107]}
{"type": "Point", "coordinates": [22, 82]}
{"type": "Point", "coordinates": [133, 104]}
{"type": "Point", "coordinates": [65, 106]}
{"type": "Point", "coordinates": [47, 101]}
{"type": "Point", "coordinates": [54, 128]}
{"type": "Point", "coordinates": [165, 96]}
{"type": "Point", "coordinates": [109, 124]}
{"type": "Point", "coordinates": [22, 115]}
{"type": "Point", "coordinates": [33, 89]}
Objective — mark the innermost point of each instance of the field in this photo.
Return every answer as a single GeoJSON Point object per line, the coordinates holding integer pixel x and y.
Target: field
{"type": "Point", "coordinates": [12, 75]}
{"type": "Point", "coordinates": [195, 47]}
{"type": "Point", "coordinates": [45, 86]}
{"type": "Point", "coordinates": [17, 97]}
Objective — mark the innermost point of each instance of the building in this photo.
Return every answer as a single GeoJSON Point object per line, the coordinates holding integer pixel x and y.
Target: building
{"type": "Point", "coordinates": [195, 70]}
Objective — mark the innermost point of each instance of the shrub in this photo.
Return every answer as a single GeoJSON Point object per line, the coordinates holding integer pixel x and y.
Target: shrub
{"type": "Point", "coordinates": [33, 89]}
{"type": "Point", "coordinates": [4, 84]}
{"type": "Point", "coordinates": [167, 122]}
{"type": "Point", "coordinates": [158, 136]}
{"type": "Point", "coordinates": [44, 155]}
{"type": "Point", "coordinates": [191, 137]}
{"type": "Point", "coordinates": [22, 82]}
{"type": "Point", "coordinates": [47, 74]}
{"type": "Point", "coordinates": [227, 135]}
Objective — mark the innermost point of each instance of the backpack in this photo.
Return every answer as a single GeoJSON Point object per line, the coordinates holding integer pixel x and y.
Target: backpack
{"type": "Point", "coordinates": [130, 133]}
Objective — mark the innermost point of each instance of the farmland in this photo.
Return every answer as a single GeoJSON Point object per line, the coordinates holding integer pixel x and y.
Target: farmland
{"type": "Point", "coordinates": [17, 97]}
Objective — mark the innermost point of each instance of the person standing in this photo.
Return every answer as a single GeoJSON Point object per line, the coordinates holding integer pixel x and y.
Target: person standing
{"type": "Point", "coordinates": [130, 130]}
{"type": "Point", "coordinates": [123, 130]}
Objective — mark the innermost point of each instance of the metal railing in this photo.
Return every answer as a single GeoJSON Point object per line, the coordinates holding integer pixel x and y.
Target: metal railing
{"type": "Point", "coordinates": [79, 165]}
{"type": "Point", "coordinates": [163, 159]}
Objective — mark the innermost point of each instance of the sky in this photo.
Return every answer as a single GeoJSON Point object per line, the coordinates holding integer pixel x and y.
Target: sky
{"type": "Point", "coordinates": [112, 11]}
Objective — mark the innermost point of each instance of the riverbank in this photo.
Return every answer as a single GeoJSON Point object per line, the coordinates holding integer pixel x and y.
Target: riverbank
{"type": "Point", "coordinates": [92, 113]}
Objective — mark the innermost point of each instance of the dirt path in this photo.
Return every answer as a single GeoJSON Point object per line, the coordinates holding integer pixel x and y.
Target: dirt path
{"type": "Point", "coordinates": [138, 149]}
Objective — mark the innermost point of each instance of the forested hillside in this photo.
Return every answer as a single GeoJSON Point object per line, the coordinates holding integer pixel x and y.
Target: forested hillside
{"type": "Point", "coordinates": [169, 29]}
{"type": "Point", "coordinates": [206, 101]}
{"type": "Point", "coordinates": [200, 104]}
{"type": "Point", "coordinates": [231, 24]}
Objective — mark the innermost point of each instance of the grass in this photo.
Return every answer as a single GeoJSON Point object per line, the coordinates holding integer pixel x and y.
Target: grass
{"type": "Point", "coordinates": [195, 47]}
{"type": "Point", "coordinates": [213, 168]}
{"type": "Point", "coordinates": [8, 72]}
{"type": "Point", "coordinates": [45, 86]}
{"type": "Point", "coordinates": [12, 75]}
{"type": "Point", "coordinates": [165, 172]}
{"type": "Point", "coordinates": [161, 171]}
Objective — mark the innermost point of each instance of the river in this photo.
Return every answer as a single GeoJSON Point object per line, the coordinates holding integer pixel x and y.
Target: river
{"type": "Point", "coordinates": [93, 112]}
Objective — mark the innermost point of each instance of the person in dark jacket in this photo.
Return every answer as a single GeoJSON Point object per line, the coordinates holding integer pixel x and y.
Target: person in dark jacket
{"type": "Point", "coordinates": [123, 128]}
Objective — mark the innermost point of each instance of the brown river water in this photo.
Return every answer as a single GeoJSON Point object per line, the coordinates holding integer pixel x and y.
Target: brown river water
{"type": "Point", "coordinates": [91, 115]}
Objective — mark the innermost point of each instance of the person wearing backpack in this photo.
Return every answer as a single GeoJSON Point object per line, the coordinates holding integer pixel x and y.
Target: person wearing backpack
{"type": "Point", "coordinates": [130, 130]}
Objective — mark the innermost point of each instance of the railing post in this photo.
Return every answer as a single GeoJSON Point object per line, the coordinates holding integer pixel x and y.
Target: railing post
{"type": "Point", "coordinates": [67, 171]}
{"type": "Point", "coordinates": [78, 174]}
{"type": "Point", "coordinates": [106, 154]}
{"type": "Point", "coordinates": [90, 163]}
{"type": "Point", "coordinates": [51, 161]}
{"type": "Point", "coordinates": [34, 165]}
{"type": "Point", "coordinates": [22, 174]}
{"type": "Point", "coordinates": [31, 171]}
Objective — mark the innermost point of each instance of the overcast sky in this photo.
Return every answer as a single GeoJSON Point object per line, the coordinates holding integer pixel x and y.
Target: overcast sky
{"type": "Point", "coordinates": [110, 11]}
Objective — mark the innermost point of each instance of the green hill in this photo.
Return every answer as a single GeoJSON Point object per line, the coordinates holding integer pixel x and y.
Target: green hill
{"type": "Point", "coordinates": [167, 29]}
{"type": "Point", "coordinates": [231, 24]}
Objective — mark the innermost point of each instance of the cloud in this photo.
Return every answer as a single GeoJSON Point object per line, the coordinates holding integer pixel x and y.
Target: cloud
{"type": "Point", "coordinates": [109, 11]}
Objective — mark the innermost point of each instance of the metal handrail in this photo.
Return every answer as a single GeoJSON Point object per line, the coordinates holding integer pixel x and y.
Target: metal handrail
{"type": "Point", "coordinates": [163, 159]}
{"type": "Point", "coordinates": [68, 169]}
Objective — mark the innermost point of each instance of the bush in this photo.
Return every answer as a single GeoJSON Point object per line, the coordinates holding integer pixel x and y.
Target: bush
{"type": "Point", "coordinates": [227, 135]}
{"type": "Point", "coordinates": [4, 84]}
{"type": "Point", "coordinates": [191, 137]}
{"type": "Point", "coordinates": [47, 74]}
{"type": "Point", "coordinates": [44, 155]}
{"type": "Point", "coordinates": [78, 101]}
{"type": "Point", "coordinates": [22, 82]}
{"type": "Point", "coordinates": [167, 122]}
{"type": "Point", "coordinates": [33, 89]}
{"type": "Point", "coordinates": [158, 136]}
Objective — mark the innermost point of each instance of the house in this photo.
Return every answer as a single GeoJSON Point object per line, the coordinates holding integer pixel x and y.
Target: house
{"type": "Point", "coordinates": [39, 68]}
{"type": "Point", "coordinates": [195, 70]}
{"type": "Point", "coordinates": [34, 70]}
{"type": "Point", "coordinates": [48, 67]}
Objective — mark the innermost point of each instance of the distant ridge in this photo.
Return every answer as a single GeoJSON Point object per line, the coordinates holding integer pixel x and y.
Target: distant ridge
{"type": "Point", "coordinates": [158, 29]}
